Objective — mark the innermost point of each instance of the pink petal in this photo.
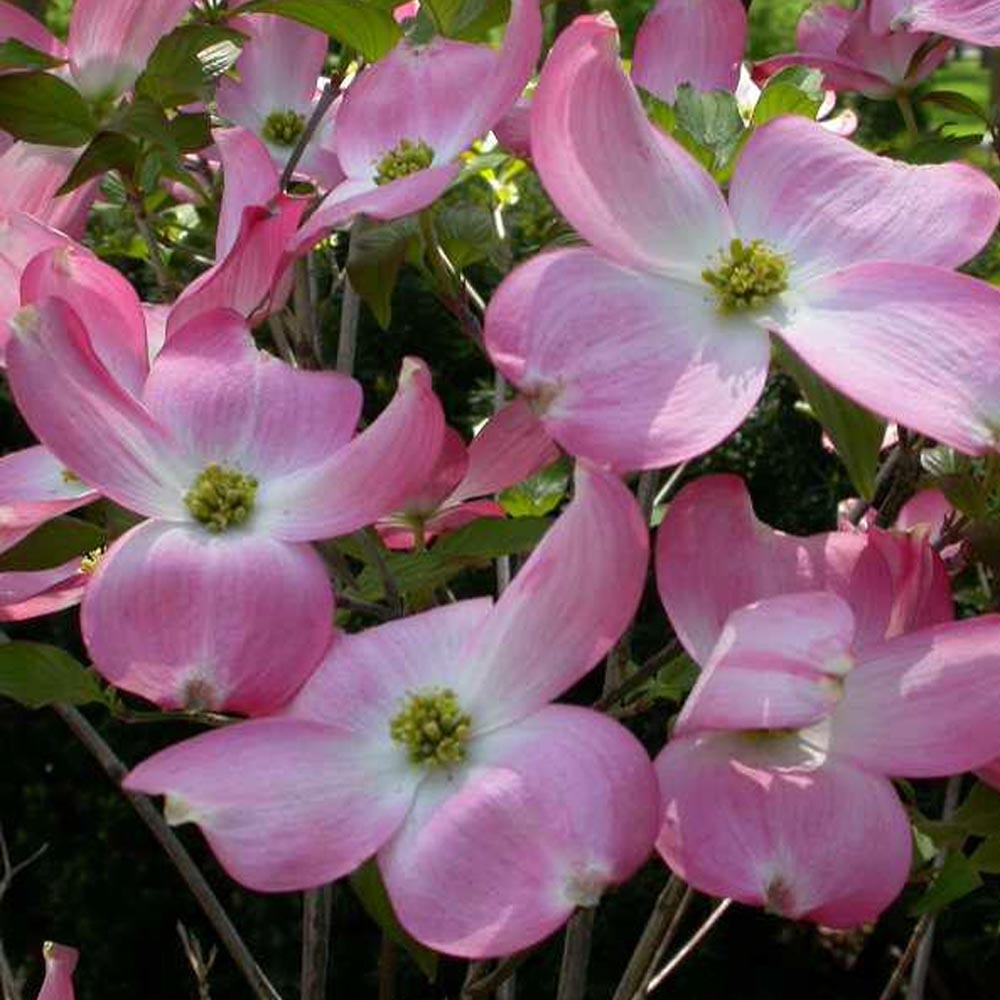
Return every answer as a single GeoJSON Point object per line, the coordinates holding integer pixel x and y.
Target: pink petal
{"type": "Point", "coordinates": [513, 131]}
{"type": "Point", "coordinates": [278, 67]}
{"type": "Point", "coordinates": [711, 524]}
{"type": "Point", "coordinates": [779, 664]}
{"type": "Point", "coordinates": [779, 824]}
{"type": "Point", "coordinates": [365, 677]}
{"type": "Point", "coordinates": [916, 344]}
{"type": "Point", "coordinates": [568, 604]}
{"type": "Point", "coordinates": [363, 197]}
{"type": "Point", "coordinates": [924, 704]}
{"type": "Point", "coordinates": [34, 487]}
{"type": "Point", "coordinates": [369, 477]}
{"type": "Point", "coordinates": [828, 204]}
{"type": "Point", "coordinates": [927, 509]}
{"type": "Point", "coordinates": [307, 804]}
{"type": "Point", "coordinates": [21, 26]}
{"type": "Point", "coordinates": [892, 56]}
{"type": "Point", "coordinates": [990, 774]}
{"type": "Point", "coordinates": [104, 302]}
{"type": "Point", "coordinates": [444, 476]}
{"type": "Point", "coordinates": [156, 315]}
{"type": "Point", "coordinates": [822, 28]}
{"type": "Point", "coordinates": [248, 279]}
{"type": "Point", "coordinates": [556, 809]}
{"type": "Point", "coordinates": [68, 594]}
{"type": "Point", "coordinates": [974, 21]}
{"type": "Point", "coordinates": [18, 587]}
{"type": "Point", "coordinates": [250, 179]}
{"type": "Point", "coordinates": [30, 175]}
{"type": "Point", "coordinates": [650, 205]}
{"type": "Point", "coordinates": [110, 40]}
{"type": "Point", "coordinates": [398, 534]}
{"type": "Point", "coordinates": [91, 423]}
{"type": "Point", "coordinates": [60, 963]}
{"type": "Point", "coordinates": [230, 622]}
{"type": "Point", "coordinates": [410, 94]}
{"type": "Point", "coordinates": [630, 369]}
{"type": "Point", "coordinates": [511, 447]}
{"type": "Point", "coordinates": [700, 44]}
{"type": "Point", "coordinates": [839, 74]}
{"type": "Point", "coordinates": [226, 402]}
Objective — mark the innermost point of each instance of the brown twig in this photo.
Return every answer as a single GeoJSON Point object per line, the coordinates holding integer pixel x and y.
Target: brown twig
{"type": "Point", "coordinates": [323, 105]}
{"type": "Point", "coordinates": [576, 955]}
{"type": "Point", "coordinates": [317, 912]}
{"type": "Point", "coordinates": [699, 935]}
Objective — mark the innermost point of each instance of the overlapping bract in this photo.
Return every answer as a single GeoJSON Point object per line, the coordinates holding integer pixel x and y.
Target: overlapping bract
{"type": "Point", "coordinates": [828, 667]}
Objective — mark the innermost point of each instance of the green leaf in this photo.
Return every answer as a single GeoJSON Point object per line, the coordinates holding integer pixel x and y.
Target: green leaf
{"type": "Point", "coordinates": [17, 55]}
{"type": "Point", "coordinates": [37, 675]}
{"type": "Point", "coordinates": [979, 814]}
{"type": "Point", "coordinates": [709, 124]}
{"type": "Point", "coordinates": [186, 61]}
{"type": "Point", "coordinates": [954, 101]}
{"type": "Point", "coordinates": [469, 20]}
{"type": "Point", "coordinates": [52, 544]}
{"type": "Point", "coordinates": [476, 544]}
{"type": "Point", "coordinates": [539, 495]}
{"type": "Point", "coordinates": [191, 132]}
{"type": "Point", "coordinates": [107, 151]}
{"type": "Point", "coordinates": [939, 148]}
{"type": "Point", "coordinates": [856, 433]}
{"type": "Point", "coordinates": [143, 118]}
{"type": "Point", "coordinates": [375, 254]}
{"type": "Point", "coordinates": [673, 682]}
{"type": "Point", "coordinates": [39, 107]}
{"type": "Point", "coordinates": [796, 90]}
{"type": "Point", "coordinates": [986, 857]}
{"type": "Point", "coordinates": [489, 538]}
{"type": "Point", "coordinates": [468, 235]}
{"type": "Point", "coordinates": [956, 878]}
{"type": "Point", "coordinates": [367, 884]}
{"type": "Point", "coordinates": [360, 25]}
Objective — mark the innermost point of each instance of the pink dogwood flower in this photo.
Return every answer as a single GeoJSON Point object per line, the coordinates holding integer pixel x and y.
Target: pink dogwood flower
{"type": "Point", "coordinates": [852, 56]}
{"type": "Point", "coordinates": [237, 459]}
{"type": "Point", "coordinates": [431, 743]}
{"type": "Point", "coordinates": [511, 447]}
{"type": "Point", "coordinates": [400, 128]}
{"type": "Point", "coordinates": [60, 963]}
{"type": "Point", "coordinates": [776, 781]}
{"type": "Point", "coordinates": [698, 42]}
{"type": "Point", "coordinates": [274, 97]}
{"type": "Point", "coordinates": [651, 346]}
{"type": "Point", "coordinates": [974, 21]}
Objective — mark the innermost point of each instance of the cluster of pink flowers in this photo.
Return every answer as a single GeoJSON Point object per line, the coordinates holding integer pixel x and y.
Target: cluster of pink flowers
{"type": "Point", "coordinates": [829, 665]}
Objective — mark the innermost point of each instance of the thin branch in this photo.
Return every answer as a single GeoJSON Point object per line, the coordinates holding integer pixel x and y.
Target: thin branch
{"type": "Point", "coordinates": [668, 939]}
{"type": "Point", "coordinates": [323, 105]}
{"type": "Point", "coordinates": [156, 260]}
{"type": "Point", "coordinates": [906, 959]}
{"type": "Point", "coordinates": [660, 920]}
{"type": "Point", "coordinates": [175, 850]}
{"type": "Point", "coordinates": [305, 313]}
{"type": "Point", "coordinates": [201, 966]}
{"type": "Point", "coordinates": [484, 985]}
{"type": "Point", "coordinates": [317, 912]}
{"type": "Point", "coordinates": [635, 680]}
{"type": "Point", "coordinates": [347, 341]}
{"type": "Point", "coordinates": [499, 401]}
{"type": "Point", "coordinates": [576, 955]}
{"type": "Point", "coordinates": [388, 966]}
{"type": "Point", "coordinates": [373, 549]}
{"type": "Point", "coordinates": [699, 935]}
{"type": "Point", "coordinates": [922, 959]}
{"type": "Point", "coordinates": [10, 988]}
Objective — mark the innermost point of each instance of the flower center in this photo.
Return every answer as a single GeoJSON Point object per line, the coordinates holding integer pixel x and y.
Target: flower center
{"type": "Point", "coordinates": [406, 158]}
{"type": "Point", "coordinates": [283, 128]}
{"type": "Point", "coordinates": [747, 275]}
{"type": "Point", "coordinates": [221, 498]}
{"type": "Point", "coordinates": [433, 728]}
{"type": "Point", "coordinates": [90, 562]}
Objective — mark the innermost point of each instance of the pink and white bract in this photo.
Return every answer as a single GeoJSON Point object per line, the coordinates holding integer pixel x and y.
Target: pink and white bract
{"type": "Point", "coordinates": [973, 21]}
{"type": "Point", "coordinates": [511, 447]}
{"type": "Point", "coordinates": [218, 446]}
{"type": "Point", "coordinates": [400, 128]}
{"type": "Point", "coordinates": [652, 346]}
{"type": "Point", "coordinates": [431, 742]}
{"type": "Point", "coordinates": [776, 779]}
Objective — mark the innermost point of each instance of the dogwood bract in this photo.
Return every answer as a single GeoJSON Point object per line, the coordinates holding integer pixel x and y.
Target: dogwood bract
{"type": "Point", "coordinates": [651, 347]}
{"type": "Point", "coordinates": [237, 459]}
{"type": "Point", "coordinates": [776, 779]}
{"type": "Point", "coordinates": [431, 741]}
